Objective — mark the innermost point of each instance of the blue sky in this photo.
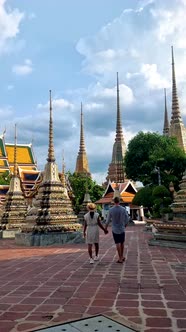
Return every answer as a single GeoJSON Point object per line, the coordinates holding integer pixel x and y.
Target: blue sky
{"type": "Point", "coordinates": [75, 49]}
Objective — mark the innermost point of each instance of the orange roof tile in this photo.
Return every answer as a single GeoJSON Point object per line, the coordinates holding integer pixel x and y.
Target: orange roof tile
{"type": "Point", "coordinates": [126, 198]}
{"type": "Point", "coordinates": [24, 154]}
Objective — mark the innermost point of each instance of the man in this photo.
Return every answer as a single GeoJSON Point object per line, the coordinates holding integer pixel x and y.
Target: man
{"type": "Point", "coordinates": [119, 217]}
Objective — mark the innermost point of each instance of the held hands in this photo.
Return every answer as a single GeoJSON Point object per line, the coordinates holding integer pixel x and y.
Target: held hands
{"type": "Point", "coordinates": [105, 231]}
{"type": "Point", "coordinates": [84, 234]}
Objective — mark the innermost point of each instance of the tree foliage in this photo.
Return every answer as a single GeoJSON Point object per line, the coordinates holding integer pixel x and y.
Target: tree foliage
{"type": "Point", "coordinates": [162, 200]}
{"type": "Point", "coordinates": [144, 197]}
{"type": "Point", "coordinates": [5, 178]}
{"type": "Point", "coordinates": [79, 183]}
{"type": "Point", "coordinates": [147, 150]}
{"type": "Point", "coordinates": [156, 199]}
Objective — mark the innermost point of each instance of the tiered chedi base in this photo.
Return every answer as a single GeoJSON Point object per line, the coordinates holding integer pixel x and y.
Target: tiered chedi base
{"type": "Point", "coordinates": [53, 220]}
{"type": "Point", "coordinates": [52, 205]}
{"type": "Point", "coordinates": [179, 204]}
{"type": "Point", "coordinates": [15, 208]}
{"type": "Point", "coordinates": [173, 233]}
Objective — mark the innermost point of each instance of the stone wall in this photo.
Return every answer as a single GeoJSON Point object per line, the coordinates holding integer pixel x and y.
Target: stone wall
{"type": "Point", "coordinates": [52, 238]}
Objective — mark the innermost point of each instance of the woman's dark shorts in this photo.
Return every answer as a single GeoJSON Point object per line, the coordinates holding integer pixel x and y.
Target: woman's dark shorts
{"type": "Point", "coordinates": [119, 238]}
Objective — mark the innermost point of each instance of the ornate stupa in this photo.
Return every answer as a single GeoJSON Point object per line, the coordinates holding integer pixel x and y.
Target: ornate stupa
{"type": "Point", "coordinates": [83, 209]}
{"type": "Point", "coordinates": [63, 178]}
{"type": "Point", "coordinates": [116, 169]}
{"type": "Point", "coordinates": [15, 208]}
{"type": "Point", "coordinates": [173, 233]}
{"type": "Point", "coordinates": [177, 128]}
{"type": "Point", "coordinates": [166, 120]}
{"type": "Point", "coordinates": [82, 166]}
{"type": "Point", "coordinates": [52, 203]}
{"type": "Point", "coordinates": [179, 203]}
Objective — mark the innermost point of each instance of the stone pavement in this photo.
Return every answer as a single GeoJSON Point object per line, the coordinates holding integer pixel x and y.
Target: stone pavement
{"type": "Point", "coordinates": [42, 287]}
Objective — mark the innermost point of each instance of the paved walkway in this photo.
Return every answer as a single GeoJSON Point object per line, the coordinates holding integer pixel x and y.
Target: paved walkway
{"type": "Point", "coordinates": [41, 287]}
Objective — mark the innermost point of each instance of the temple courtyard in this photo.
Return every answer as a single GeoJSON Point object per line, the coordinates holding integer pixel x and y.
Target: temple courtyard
{"type": "Point", "coordinates": [45, 286]}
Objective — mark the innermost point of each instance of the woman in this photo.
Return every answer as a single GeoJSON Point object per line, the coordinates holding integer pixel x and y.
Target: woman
{"type": "Point", "coordinates": [91, 230]}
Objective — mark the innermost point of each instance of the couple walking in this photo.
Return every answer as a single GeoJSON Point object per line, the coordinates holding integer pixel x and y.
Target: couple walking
{"type": "Point", "coordinates": [119, 218]}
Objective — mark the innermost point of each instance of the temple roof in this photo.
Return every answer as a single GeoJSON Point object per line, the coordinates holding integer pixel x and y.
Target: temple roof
{"type": "Point", "coordinates": [24, 153]}
{"type": "Point", "coordinates": [127, 185]}
{"type": "Point", "coordinates": [4, 164]}
{"type": "Point", "coordinates": [127, 192]}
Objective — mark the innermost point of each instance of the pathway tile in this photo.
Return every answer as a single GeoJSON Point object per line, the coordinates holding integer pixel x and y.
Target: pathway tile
{"type": "Point", "coordinates": [40, 287]}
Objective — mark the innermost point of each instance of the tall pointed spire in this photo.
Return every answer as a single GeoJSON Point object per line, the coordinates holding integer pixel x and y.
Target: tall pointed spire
{"type": "Point", "coordinates": [82, 161]}
{"type": "Point", "coordinates": [116, 169]}
{"type": "Point", "coordinates": [51, 157]}
{"type": "Point", "coordinates": [15, 152]}
{"type": "Point", "coordinates": [53, 206]}
{"type": "Point", "coordinates": [119, 131]}
{"type": "Point", "coordinates": [82, 140]}
{"type": "Point", "coordinates": [177, 128]}
{"type": "Point", "coordinates": [166, 120]}
{"type": "Point", "coordinates": [176, 116]}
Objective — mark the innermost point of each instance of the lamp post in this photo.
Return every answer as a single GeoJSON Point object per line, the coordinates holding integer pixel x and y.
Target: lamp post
{"type": "Point", "coordinates": [171, 189]}
{"type": "Point", "coordinates": [157, 170]}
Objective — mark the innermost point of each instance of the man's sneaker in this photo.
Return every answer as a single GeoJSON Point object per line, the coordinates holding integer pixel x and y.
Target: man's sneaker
{"type": "Point", "coordinates": [91, 261]}
{"type": "Point", "coordinates": [96, 258]}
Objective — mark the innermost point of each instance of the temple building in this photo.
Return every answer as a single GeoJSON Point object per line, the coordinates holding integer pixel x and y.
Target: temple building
{"type": "Point", "coordinates": [82, 166]}
{"type": "Point", "coordinates": [116, 168]}
{"type": "Point", "coordinates": [14, 210]}
{"type": "Point", "coordinates": [126, 192]}
{"type": "Point", "coordinates": [177, 128]}
{"type": "Point", "coordinates": [26, 165]}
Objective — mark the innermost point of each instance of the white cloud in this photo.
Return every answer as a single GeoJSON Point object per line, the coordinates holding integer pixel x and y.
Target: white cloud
{"type": "Point", "coordinates": [5, 113]}
{"type": "Point", "coordinates": [22, 70]}
{"type": "Point", "coordinates": [57, 104]}
{"type": "Point", "coordinates": [171, 21]}
{"type": "Point", "coordinates": [153, 78]}
{"type": "Point", "coordinates": [9, 24]}
{"type": "Point", "coordinates": [137, 45]}
{"type": "Point", "coordinates": [100, 92]}
{"type": "Point", "coordinates": [138, 37]}
{"type": "Point", "coordinates": [93, 106]}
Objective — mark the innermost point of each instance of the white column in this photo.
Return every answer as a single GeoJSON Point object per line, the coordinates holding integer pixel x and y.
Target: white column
{"type": "Point", "coordinates": [141, 213]}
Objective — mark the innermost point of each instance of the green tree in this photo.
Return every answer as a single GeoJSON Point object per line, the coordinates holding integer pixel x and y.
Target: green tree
{"type": "Point", "coordinates": [79, 183]}
{"type": "Point", "coordinates": [5, 178]}
{"type": "Point", "coordinates": [147, 150]}
{"type": "Point", "coordinates": [144, 197]}
{"type": "Point", "coordinates": [162, 201]}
